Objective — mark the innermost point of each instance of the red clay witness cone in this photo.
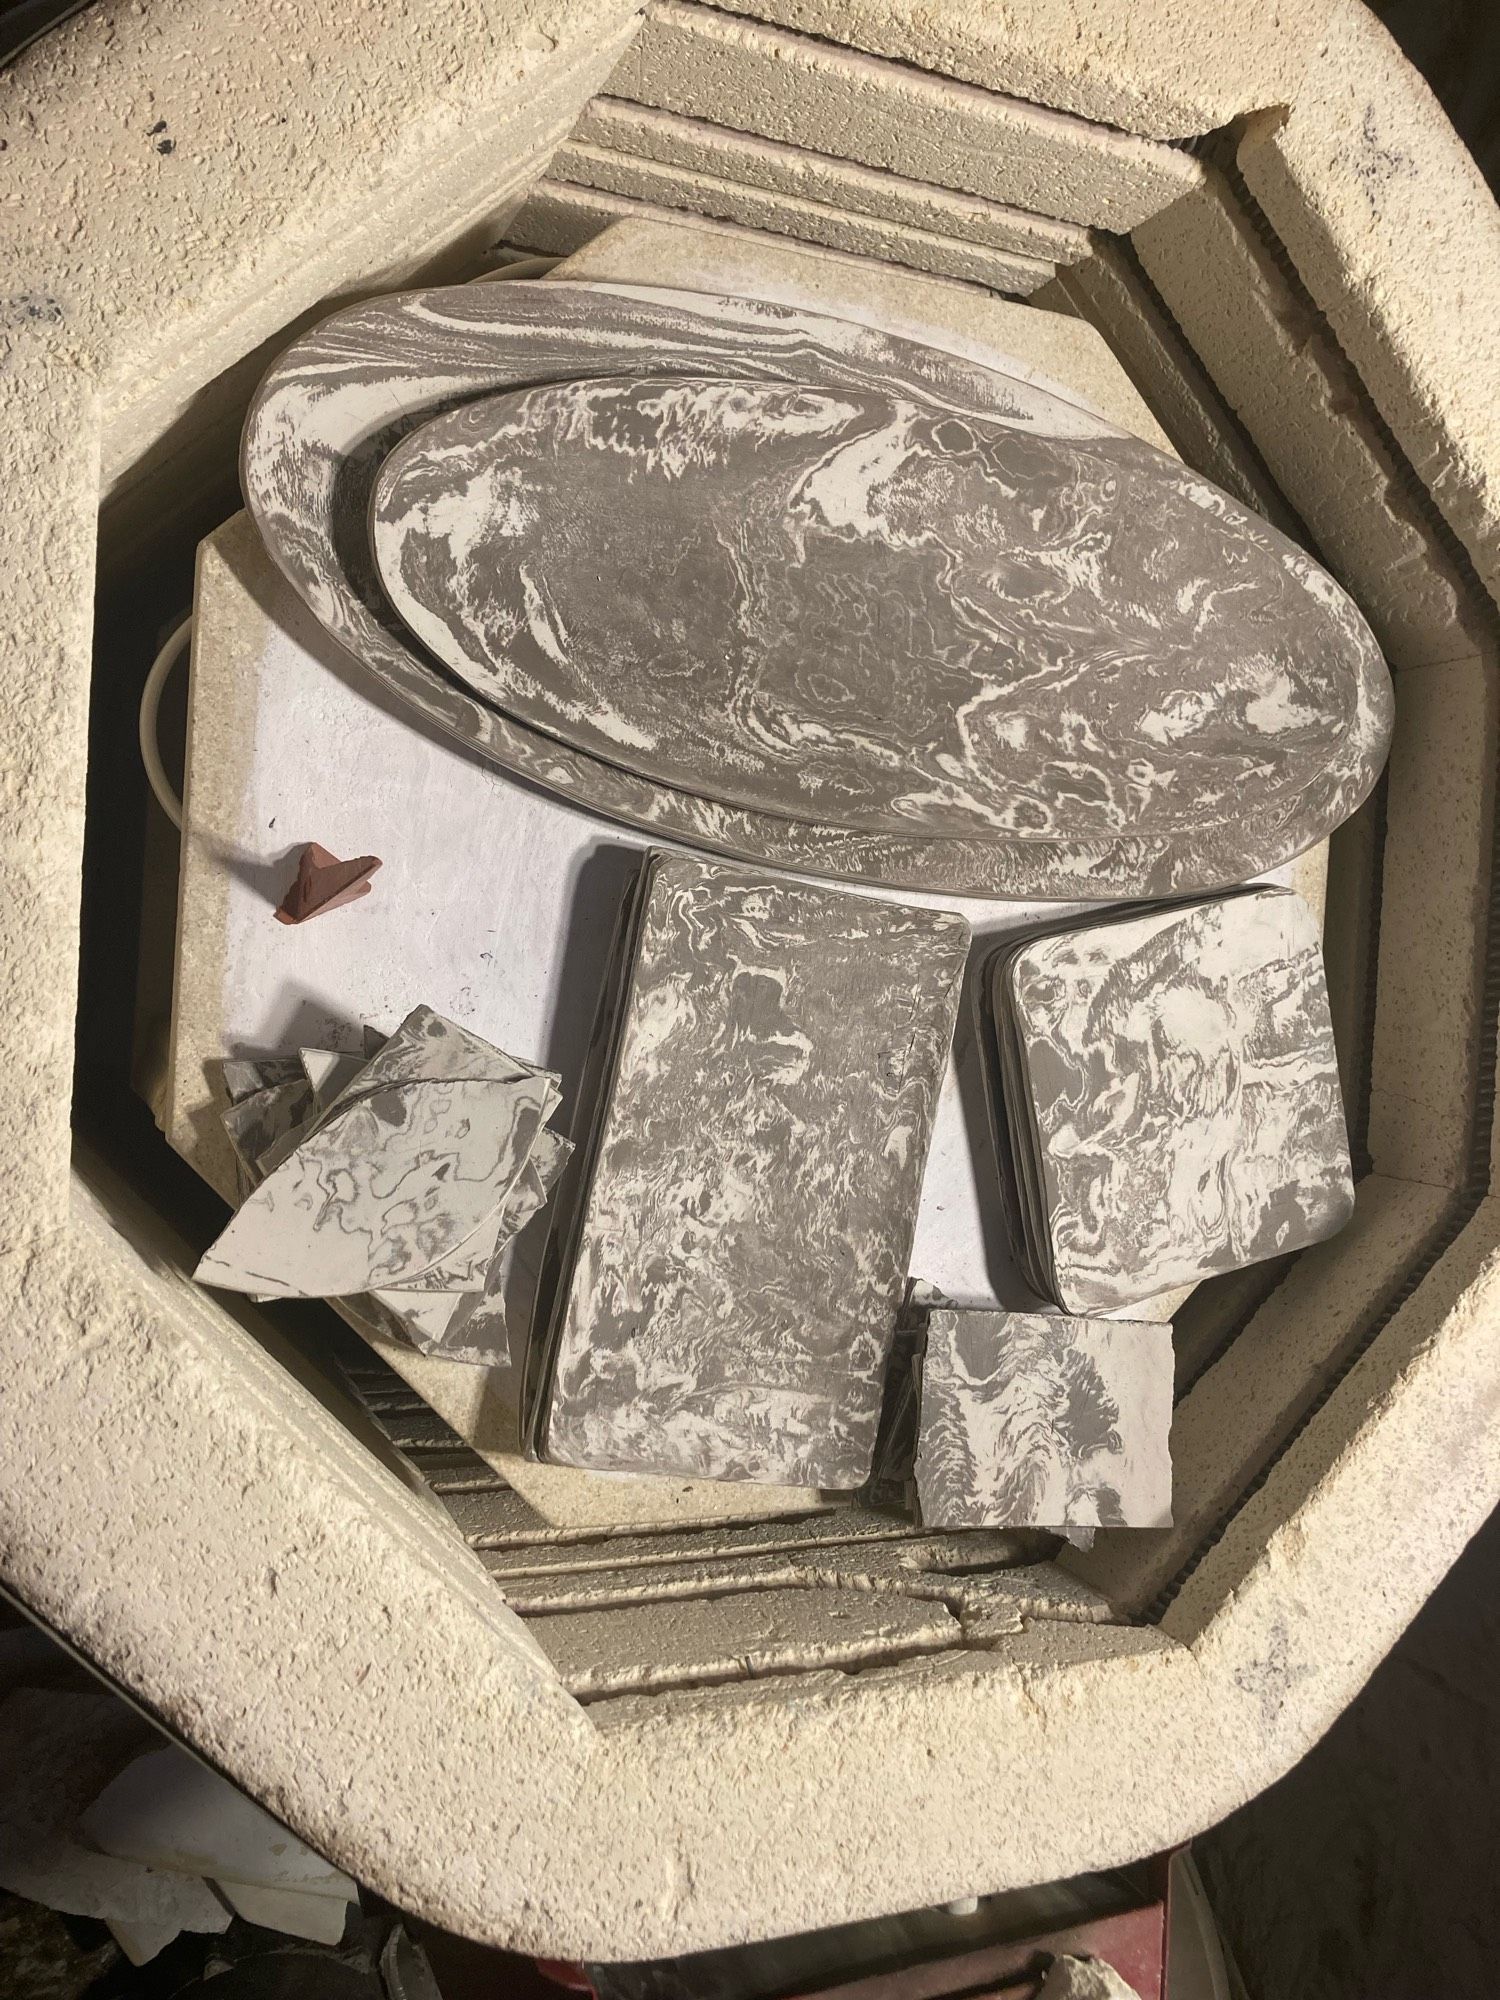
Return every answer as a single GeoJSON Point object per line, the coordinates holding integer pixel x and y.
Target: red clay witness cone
{"type": "Point", "coordinates": [324, 883]}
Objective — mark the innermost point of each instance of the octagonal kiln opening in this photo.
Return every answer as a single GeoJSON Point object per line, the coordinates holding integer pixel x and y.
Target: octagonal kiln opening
{"type": "Point", "coordinates": [1263, 233]}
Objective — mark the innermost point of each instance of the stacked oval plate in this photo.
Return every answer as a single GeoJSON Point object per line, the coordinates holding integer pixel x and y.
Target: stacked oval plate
{"type": "Point", "coordinates": [805, 593]}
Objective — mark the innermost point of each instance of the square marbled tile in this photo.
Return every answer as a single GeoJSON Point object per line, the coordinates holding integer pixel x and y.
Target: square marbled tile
{"type": "Point", "coordinates": [1171, 1103]}
{"type": "Point", "coordinates": [1037, 1420]}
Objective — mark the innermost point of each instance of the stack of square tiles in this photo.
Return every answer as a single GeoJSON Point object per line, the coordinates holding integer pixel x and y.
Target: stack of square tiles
{"type": "Point", "coordinates": [1168, 1101]}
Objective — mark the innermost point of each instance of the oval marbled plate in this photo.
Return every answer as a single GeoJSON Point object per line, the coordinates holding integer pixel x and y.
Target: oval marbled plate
{"type": "Point", "coordinates": [344, 394]}
{"type": "Point", "coordinates": [854, 608]}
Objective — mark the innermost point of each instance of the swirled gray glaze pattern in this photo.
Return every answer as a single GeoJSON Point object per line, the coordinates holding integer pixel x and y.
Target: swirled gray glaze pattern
{"type": "Point", "coordinates": [1173, 1101]}
{"type": "Point", "coordinates": [1034, 1420]}
{"type": "Point", "coordinates": [345, 394]}
{"type": "Point", "coordinates": [856, 609]}
{"type": "Point", "coordinates": [404, 1182]}
{"type": "Point", "coordinates": [739, 1254]}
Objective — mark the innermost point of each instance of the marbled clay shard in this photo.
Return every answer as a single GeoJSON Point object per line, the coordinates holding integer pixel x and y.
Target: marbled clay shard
{"type": "Point", "coordinates": [1182, 1095]}
{"type": "Point", "coordinates": [1033, 1420]}
{"type": "Point", "coordinates": [858, 609]}
{"type": "Point", "coordinates": [738, 1259]}
{"type": "Point", "coordinates": [454, 1308]}
{"type": "Point", "coordinates": [402, 1183]}
{"type": "Point", "coordinates": [346, 393]}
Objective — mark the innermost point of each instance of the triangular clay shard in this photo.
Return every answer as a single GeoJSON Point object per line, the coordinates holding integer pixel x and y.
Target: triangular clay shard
{"type": "Point", "coordinates": [324, 883]}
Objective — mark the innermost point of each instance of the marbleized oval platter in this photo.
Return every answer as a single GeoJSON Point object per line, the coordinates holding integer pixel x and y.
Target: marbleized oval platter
{"type": "Point", "coordinates": [855, 608]}
{"type": "Point", "coordinates": [345, 394]}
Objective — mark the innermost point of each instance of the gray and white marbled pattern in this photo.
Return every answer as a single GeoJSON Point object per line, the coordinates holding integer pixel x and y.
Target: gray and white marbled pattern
{"type": "Point", "coordinates": [740, 1249]}
{"type": "Point", "coordinates": [469, 1321]}
{"type": "Point", "coordinates": [1178, 1087]}
{"type": "Point", "coordinates": [242, 1076]}
{"type": "Point", "coordinates": [455, 1308]}
{"type": "Point", "coordinates": [341, 397]}
{"type": "Point", "coordinates": [854, 608]}
{"type": "Point", "coordinates": [401, 1182]}
{"type": "Point", "coordinates": [262, 1118]}
{"type": "Point", "coordinates": [1033, 1420]}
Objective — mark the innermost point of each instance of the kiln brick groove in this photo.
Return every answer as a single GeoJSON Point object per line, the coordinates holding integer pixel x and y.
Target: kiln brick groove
{"type": "Point", "coordinates": [567, 1585]}
{"type": "Point", "coordinates": [695, 192]}
{"type": "Point", "coordinates": [1480, 603]}
{"type": "Point", "coordinates": [1170, 72]}
{"type": "Point", "coordinates": [701, 63]}
{"type": "Point", "coordinates": [630, 129]}
{"type": "Point", "coordinates": [1115, 292]}
{"type": "Point", "coordinates": [1303, 404]}
{"type": "Point", "coordinates": [1391, 228]}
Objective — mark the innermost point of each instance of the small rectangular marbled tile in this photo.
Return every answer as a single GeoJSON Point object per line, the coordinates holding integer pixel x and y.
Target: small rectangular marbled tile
{"type": "Point", "coordinates": [1035, 1420]}
{"type": "Point", "coordinates": [1171, 1103]}
{"type": "Point", "coordinates": [731, 1284]}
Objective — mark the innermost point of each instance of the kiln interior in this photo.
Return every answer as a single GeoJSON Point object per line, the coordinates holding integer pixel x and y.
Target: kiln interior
{"type": "Point", "coordinates": [744, 1728]}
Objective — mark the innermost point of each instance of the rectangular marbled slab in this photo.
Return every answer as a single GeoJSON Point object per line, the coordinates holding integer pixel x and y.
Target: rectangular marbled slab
{"type": "Point", "coordinates": [1036, 1420]}
{"type": "Point", "coordinates": [730, 1290]}
{"type": "Point", "coordinates": [1171, 1101]}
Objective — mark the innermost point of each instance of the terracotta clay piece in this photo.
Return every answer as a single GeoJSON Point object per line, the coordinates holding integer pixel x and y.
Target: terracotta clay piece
{"type": "Point", "coordinates": [730, 1276]}
{"type": "Point", "coordinates": [324, 883]}
{"type": "Point", "coordinates": [1169, 1103]}
{"type": "Point", "coordinates": [1033, 1420]}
